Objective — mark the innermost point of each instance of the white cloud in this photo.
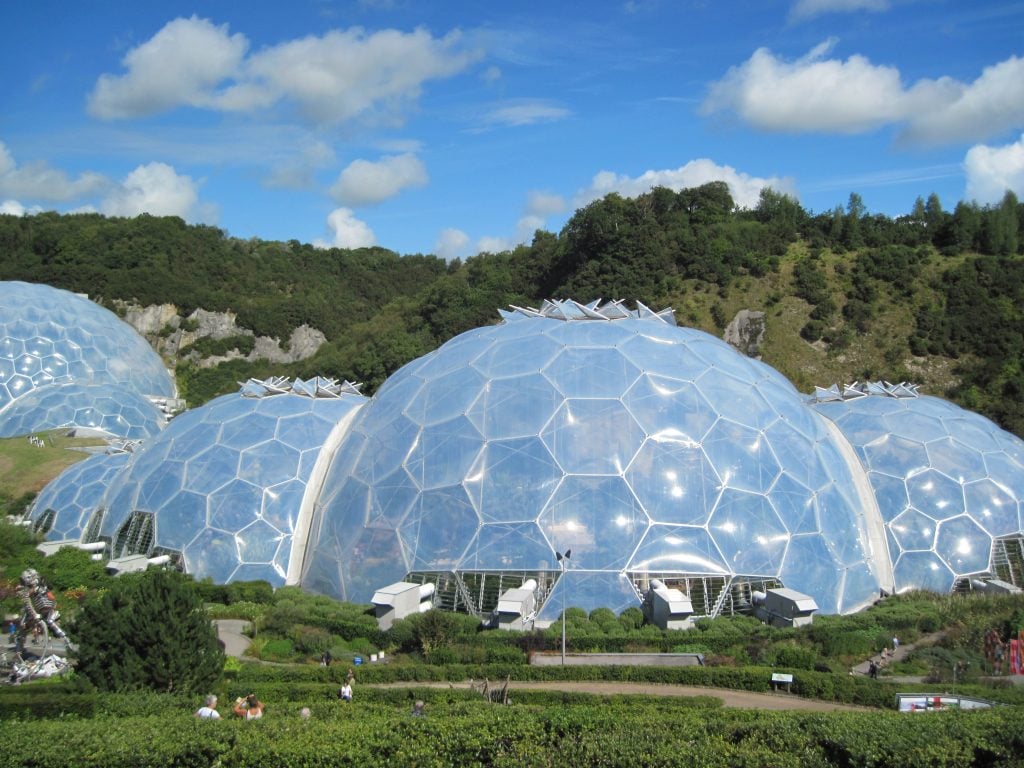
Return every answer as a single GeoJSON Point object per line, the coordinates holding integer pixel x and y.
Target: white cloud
{"type": "Point", "coordinates": [12, 208]}
{"type": "Point", "coordinates": [297, 172]}
{"type": "Point", "coordinates": [544, 203]}
{"type": "Point", "coordinates": [333, 78]}
{"type": "Point", "coordinates": [182, 64]}
{"type": "Point", "coordinates": [991, 171]}
{"type": "Point", "coordinates": [525, 113]}
{"type": "Point", "coordinates": [527, 227]}
{"type": "Point", "coordinates": [156, 189]}
{"type": "Point", "coordinates": [952, 111]}
{"type": "Point", "coordinates": [810, 94]}
{"type": "Point", "coordinates": [366, 183]}
{"type": "Point", "coordinates": [451, 244]}
{"type": "Point", "coordinates": [491, 75]}
{"type": "Point", "coordinates": [38, 181]}
{"type": "Point", "coordinates": [494, 244]}
{"type": "Point", "coordinates": [818, 94]}
{"type": "Point", "coordinates": [806, 9]}
{"type": "Point", "coordinates": [745, 189]}
{"type": "Point", "coordinates": [349, 232]}
{"type": "Point", "coordinates": [539, 205]}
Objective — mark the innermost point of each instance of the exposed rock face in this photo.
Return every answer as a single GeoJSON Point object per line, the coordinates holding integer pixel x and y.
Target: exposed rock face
{"type": "Point", "coordinates": [746, 332]}
{"type": "Point", "coordinates": [169, 333]}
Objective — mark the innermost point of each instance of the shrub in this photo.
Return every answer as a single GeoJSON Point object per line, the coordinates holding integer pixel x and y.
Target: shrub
{"type": "Point", "coordinates": [148, 630]}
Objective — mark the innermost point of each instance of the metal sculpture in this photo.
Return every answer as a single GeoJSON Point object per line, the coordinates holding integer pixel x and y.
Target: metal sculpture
{"type": "Point", "coordinates": [38, 608]}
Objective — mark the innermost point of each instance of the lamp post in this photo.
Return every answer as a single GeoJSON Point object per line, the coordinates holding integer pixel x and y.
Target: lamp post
{"type": "Point", "coordinates": [562, 560]}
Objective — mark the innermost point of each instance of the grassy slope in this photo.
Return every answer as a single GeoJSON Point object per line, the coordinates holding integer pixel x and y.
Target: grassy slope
{"type": "Point", "coordinates": [882, 353]}
{"type": "Point", "coordinates": [26, 468]}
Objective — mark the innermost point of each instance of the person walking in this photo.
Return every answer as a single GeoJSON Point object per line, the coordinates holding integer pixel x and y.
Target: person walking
{"type": "Point", "coordinates": [209, 710]}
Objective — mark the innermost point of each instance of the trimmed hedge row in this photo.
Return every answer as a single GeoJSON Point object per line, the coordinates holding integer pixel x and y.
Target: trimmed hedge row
{"type": "Point", "coordinates": [476, 734]}
{"type": "Point", "coordinates": [814, 685]}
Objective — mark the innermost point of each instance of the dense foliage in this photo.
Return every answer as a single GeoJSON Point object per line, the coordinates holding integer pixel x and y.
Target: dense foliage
{"type": "Point", "coordinates": [147, 631]}
{"type": "Point", "coordinates": [918, 286]}
{"type": "Point", "coordinates": [456, 731]}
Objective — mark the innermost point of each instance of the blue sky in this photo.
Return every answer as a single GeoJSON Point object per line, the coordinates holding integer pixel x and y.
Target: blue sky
{"type": "Point", "coordinates": [459, 127]}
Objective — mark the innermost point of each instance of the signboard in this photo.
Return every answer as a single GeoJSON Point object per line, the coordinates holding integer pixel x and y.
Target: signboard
{"type": "Point", "coordinates": [935, 702]}
{"type": "Point", "coordinates": [357, 660]}
{"type": "Point", "coordinates": [781, 677]}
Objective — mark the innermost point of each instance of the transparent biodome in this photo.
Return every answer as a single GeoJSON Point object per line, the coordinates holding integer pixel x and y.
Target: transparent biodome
{"type": "Point", "coordinates": [224, 492]}
{"type": "Point", "coordinates": [650, 451]}
{"type": "Point", "coordinates": [65, 361]}
{"type": "Point", "coordinates": [645, 449]}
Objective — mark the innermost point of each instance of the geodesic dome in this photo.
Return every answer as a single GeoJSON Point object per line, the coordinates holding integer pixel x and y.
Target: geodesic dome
{"type": "Point", "coordinates": [225, 488]}
{"type": "Point", "coordinates": [646, 449]}
{"type": "Point", "coordinates": [949, 483]}
{"type": "Point", "coordinates": [63, 508]}
{"type": "Point", "coordinates": [113, 411]}
{"type": "Point", "coordinates": [53, 337]}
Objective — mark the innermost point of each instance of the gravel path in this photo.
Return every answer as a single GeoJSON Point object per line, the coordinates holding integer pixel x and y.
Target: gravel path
{"type": "Point", "coordinates": [729, 698]}
{"type": "Point", "coordinates": [235, 642]}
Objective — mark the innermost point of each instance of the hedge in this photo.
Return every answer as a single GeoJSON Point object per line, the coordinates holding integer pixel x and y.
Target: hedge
{"type": "Point", "coordinates": [463, 733]}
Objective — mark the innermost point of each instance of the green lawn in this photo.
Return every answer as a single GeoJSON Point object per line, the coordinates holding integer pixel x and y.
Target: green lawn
{"type": "Point", "coordinates": [26, 468]}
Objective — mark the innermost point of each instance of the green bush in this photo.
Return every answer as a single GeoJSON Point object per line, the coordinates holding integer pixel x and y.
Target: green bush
{"type": "Point", "coordinates": [552, 730]}
{"type": "Point", "coordinates": [278, 648]}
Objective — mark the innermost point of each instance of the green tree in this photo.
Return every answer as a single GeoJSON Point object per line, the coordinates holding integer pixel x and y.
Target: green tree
{"type": "Point", "coordinates": [852, 222]}
{"type": "Point", "coordinates": [148, 631]}
{"type": "Point", "coordinates": [934, 216]}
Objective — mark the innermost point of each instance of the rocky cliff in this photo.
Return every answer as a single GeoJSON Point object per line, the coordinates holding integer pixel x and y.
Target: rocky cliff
{"type": "Point", "coordinates": [175, 336]}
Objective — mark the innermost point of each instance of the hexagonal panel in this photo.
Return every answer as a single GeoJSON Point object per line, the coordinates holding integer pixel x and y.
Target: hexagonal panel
{"type": "Point", "coordinates": [674, 482]}
{"type": "Point", "coordinates": [936, 495]}
{"type": "Point", "coordinates": [991, 506]}
{"type": "Point", "coordinates": [438, 529]}
{"type": "Point", "coordinates": [598, 518]}
{"type": "Point", "coordinates": [896, 455]}
{"type": "Point", "coordinates": [593, 437]}
{"type": "Point", "coordinates": [516, 357]}
{"type": "Point", "coordinates": [954, 459]}
{"type": "Point", "coordinates": [583, 372]}
{"type": "Point", "coordinates": [736, 400]}
{"type": "Point", "coordinates": [749, 533]}
{"type": "Point", "coordinates": [507, 547]}
{"type": "Point", "coordinates": [670, 410]}
{"type": "Point", "coordinates": [258, 542]}
{"type": "Point", "coordinates": [923, 570]}
{"type": "Point", "coordinates": [678, 548]}
{"type": "Point", "coordinates": [913, 530]}
{"type": "Point", "coordinates": [963, 545]}
{"type": "Point", "coordinates": [445, 397]}
{"type": "Point", "coordinates": [444, 453]}
{"type": "Point", "coordinates": [514, 407]}
{"type": "Point", "coordinates": [512, 480]}
{"type": "Point", "coordinates": [741, 456]}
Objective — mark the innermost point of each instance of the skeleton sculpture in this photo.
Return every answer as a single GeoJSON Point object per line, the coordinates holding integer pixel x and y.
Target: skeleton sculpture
{"type": "Point", "coordinates": [38, 607]}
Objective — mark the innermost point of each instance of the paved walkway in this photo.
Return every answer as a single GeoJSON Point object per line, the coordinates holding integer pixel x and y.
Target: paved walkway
{"type": "Point", "coordinates": [897, 655]}
{"type": "Point", "coordinates": [231, 633]}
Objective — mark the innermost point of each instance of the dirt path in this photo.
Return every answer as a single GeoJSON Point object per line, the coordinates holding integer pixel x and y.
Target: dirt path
{"type": "Point", "coordinates": [231, 632]}
{"type": "Point", "coordinates": [729, 698]}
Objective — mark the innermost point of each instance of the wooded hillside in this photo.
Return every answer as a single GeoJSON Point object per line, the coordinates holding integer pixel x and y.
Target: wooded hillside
{"type": "Point", "coordinates": [933, 297]}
